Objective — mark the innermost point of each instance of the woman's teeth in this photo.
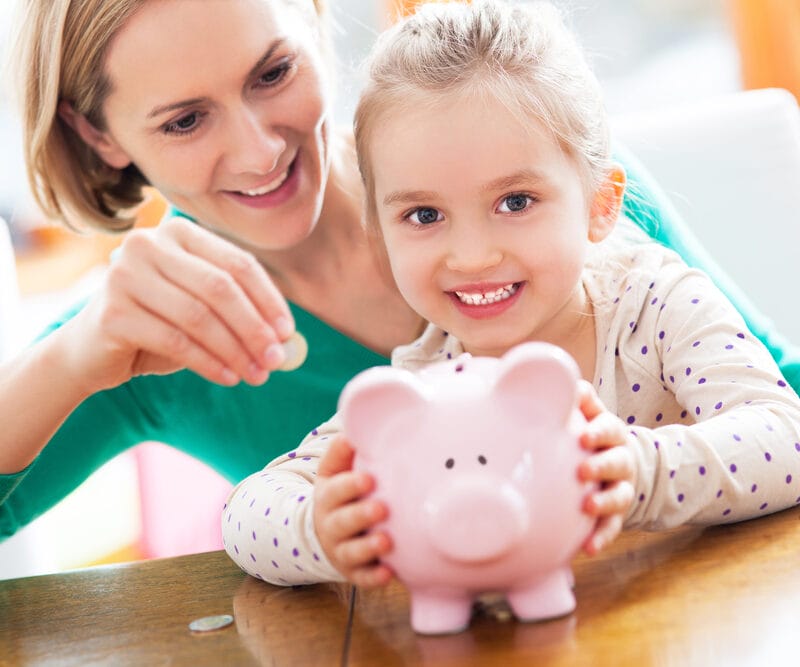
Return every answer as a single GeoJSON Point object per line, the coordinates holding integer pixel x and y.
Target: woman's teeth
{"type": "Point", "coordinates": [485, 298]}
{"type": "Point", "coordinates": [269, 187]}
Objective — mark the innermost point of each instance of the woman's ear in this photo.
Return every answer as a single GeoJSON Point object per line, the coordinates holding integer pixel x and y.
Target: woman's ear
{"type": "Point", "coordinates": [607, 204]}
{"type": "Point", "coordinates": [100, 142]}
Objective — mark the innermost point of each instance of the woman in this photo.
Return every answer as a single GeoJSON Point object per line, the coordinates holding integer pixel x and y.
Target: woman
{"type": "Point", "coordinates": [224, 107]}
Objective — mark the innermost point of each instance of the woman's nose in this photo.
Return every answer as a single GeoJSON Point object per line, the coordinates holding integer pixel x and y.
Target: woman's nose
{"type": "Point", "coordinates": [473, 250]}
{"type": "Point", "coordinates": [254, 146]}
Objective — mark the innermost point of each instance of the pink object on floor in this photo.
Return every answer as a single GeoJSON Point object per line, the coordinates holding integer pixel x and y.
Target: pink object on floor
{"type": "Point", "coordinates": [477, 461]}
{"type": "Point", "coordinates": [181, 500]}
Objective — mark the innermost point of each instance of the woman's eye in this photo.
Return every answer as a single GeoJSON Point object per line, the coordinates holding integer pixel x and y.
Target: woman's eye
{"type": "Point", "coordinates": [515, 203]}
{"type": "Point", "coordinates": [424, 216]}
{"type": "Point", "coordinates": [273, 76]}
{"type": "Point", "coordinates": [184, 125]}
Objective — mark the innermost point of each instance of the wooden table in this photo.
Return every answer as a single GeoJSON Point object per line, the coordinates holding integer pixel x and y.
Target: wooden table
{"type": "Point", "coordinates": [727, 596]}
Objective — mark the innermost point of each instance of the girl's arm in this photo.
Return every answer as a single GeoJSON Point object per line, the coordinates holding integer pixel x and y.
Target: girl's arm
{"type": "Point", "coordinates": [268, 521]}
{"type": "Point", "coordinates": [732, 451]}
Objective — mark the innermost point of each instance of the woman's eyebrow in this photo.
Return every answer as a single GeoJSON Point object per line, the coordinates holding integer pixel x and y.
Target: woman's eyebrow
{"type": "Point", "coordinates": [254, 71]}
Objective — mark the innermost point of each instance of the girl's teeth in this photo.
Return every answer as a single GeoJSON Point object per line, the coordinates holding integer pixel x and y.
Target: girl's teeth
{"type": "Point", "coordinates": [269, 187]}
{"type": "Point", "coordinates": [485, 298]}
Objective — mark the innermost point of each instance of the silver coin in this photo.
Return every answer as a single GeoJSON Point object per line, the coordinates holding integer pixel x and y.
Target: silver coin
{"type": "Point", "coordinates": [209, 623]}
{"type": "Point", "coordinates": [296, 350]}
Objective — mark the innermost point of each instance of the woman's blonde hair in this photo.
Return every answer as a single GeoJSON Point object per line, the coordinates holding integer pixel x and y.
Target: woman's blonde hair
{"type": "Point", "coordinates": [59, 54]}
{"type": "Point", "coordinates": [520, 54]}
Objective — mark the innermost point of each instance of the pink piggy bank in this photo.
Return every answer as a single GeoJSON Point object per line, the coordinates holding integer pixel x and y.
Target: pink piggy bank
{"type": "Point", "coordinates": [477, 461]}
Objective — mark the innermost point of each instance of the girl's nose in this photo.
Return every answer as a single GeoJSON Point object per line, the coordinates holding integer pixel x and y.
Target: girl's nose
{"type": "Point", "coordinates": [254, 146]}
{"type": "Point", "coordinates": [472, 250]}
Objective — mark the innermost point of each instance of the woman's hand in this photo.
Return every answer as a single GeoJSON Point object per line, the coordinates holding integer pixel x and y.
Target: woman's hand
{"type": "Point", "coordinates": [611, 466]}
{"type": "Point", "coordinates": [342, 516]}
{"type": "Point", "coordinates": [178, 296]}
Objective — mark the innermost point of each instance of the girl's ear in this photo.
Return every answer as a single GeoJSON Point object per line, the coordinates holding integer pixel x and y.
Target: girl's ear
{"type": "Point", "coordinates": [100, 142]}
{"type": "Point", "coordinates": [607, 204]}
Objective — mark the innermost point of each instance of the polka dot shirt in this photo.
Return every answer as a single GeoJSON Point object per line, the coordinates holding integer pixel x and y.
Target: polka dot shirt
{"type": "Point", "coordinates": [714, 427]}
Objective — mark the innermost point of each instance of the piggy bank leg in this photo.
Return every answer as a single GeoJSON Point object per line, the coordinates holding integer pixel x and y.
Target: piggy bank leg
{"type": "Point", "coordinates": [437, 613]}
{"type": "Point", "coordinates": [547, 597]}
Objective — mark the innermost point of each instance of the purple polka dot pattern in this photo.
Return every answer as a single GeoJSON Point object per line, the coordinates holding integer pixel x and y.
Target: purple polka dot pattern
{"type": "Point", "coordinates": [698, 393]}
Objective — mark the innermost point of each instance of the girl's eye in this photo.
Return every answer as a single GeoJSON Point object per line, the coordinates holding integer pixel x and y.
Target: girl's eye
{"type": "Point", "coordinates": [515, 203]}
{"type": "Point", "coordinates": [184, 125]}
{"type": "Point", "coordinates": [275, 75]}
{"type": "Point", "coordinates": [424, 215]}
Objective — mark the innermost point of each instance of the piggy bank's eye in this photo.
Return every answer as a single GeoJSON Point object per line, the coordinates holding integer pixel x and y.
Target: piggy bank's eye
{"type": "Point", "coordinates": [449, 463]}
{"type": "Point", "coordinates": [482, 460]}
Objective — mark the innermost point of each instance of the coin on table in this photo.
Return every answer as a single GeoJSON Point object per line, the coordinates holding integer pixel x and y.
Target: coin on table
{"type": "Point", "coordinates": [209, 623]}
{"type": "Point", "coordinates": [295, 349]}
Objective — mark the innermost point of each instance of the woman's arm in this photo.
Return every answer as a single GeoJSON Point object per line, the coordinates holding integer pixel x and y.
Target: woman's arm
{"type": "Point", "coordinates": [176, 297]}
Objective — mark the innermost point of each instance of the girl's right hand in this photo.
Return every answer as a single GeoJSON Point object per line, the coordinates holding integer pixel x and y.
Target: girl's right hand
{"type": "Point", "coordinates": [178, 296]}
{"type": "Point", "coordinates": [342, 517]}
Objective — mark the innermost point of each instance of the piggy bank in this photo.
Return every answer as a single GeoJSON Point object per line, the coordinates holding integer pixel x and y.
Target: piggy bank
{"type": "Point", "coordinates": [476, 459]}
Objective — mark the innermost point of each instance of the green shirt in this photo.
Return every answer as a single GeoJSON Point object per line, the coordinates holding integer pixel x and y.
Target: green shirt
{"type": "Point", "coordinates": [238, 430]}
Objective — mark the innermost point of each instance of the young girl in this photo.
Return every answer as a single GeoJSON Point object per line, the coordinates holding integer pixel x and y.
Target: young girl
{"type": "Point", "coordinates": [484, 150]}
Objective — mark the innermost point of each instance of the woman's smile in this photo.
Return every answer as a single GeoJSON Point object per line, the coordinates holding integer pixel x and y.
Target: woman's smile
{"type": "Point", "coordinates": [277, 191]}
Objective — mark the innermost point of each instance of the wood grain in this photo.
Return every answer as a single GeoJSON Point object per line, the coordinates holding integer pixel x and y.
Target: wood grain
{"type": "Point", "coordinates": [728, 595]}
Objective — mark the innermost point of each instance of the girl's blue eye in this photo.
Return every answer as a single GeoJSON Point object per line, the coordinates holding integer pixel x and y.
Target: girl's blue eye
{"type": "Point", "coordinates": [514, 203]}
{"type": "Point", "coordinates": [424, 215]}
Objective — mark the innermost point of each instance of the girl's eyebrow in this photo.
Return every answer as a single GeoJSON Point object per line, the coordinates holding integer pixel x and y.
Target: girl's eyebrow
{"type": "Point", "coordinates": [407, 196]}
{"type": "Point", "coordinates": [254, 71]}
{"type": "Point", "coordinates": [521, 177]}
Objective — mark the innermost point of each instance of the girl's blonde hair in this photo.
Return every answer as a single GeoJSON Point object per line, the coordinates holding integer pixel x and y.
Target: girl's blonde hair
{"type": "Point", "coordinates": [59, 54]}
{"type": "Point", "coordinates": [522, 55]}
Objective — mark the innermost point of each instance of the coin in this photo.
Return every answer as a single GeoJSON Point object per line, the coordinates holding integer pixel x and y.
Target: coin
{"type": "Point", "coordinates": [209, 623]}
{"type": "Point", "coordinates": [295, 349]}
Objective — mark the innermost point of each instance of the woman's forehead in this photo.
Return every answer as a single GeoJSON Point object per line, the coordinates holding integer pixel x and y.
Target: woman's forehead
{"type": "Point", "coordinates": [199, 43]}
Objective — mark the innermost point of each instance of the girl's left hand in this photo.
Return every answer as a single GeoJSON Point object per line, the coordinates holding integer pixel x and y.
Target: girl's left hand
{"type": "Point", "coordinates": [611, 466]}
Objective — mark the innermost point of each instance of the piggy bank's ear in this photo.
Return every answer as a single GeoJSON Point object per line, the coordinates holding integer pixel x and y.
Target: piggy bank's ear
{"type": "Point", "coordinates": [377, 402]}
{"type": "Point", "coordinates": [540, 380]}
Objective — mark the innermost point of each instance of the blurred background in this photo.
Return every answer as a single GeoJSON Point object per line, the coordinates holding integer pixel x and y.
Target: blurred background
{"type": "Point", "coordinates": [649, 55]}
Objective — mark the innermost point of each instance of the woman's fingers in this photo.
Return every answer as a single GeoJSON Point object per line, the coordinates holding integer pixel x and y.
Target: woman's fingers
{"type": "Point", "coordinates": [244, 269]}
{"type": "Point", "coordinates": [213, 293]}
{"type": "Point", "coordinates": [210, 290]}
{"type": "Point", "coordinates": [189, 317]}
{"type": "Point", "coordinates": [169, 348]}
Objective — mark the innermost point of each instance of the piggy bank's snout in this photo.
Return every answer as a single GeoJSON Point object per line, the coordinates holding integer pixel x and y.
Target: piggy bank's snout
{"type": "Point", "coordinates": [475, 518]}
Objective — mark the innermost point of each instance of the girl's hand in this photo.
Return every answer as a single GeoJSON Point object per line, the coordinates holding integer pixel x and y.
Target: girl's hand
{"type": "Point", "coordinates": [342, 515]}
{"type": "Point", "coordinates": [611, 466]}
{"type": "Point", "coordinates": [178, 296]}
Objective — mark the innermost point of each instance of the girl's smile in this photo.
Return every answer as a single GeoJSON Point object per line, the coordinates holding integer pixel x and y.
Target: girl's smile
{"type": "Point", "coordinates": [483, 302]}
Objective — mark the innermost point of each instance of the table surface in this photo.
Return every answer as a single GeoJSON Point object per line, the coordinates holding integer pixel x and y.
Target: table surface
{"type": "Point", "coordinates": [728, 595]}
